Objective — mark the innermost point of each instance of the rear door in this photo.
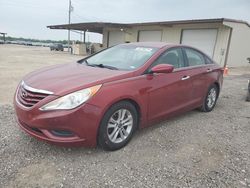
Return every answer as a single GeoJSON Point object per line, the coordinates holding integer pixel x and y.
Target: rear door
{"type": "Point", "coordinates": [169, 92]}
{"type": "Point", "coordinates": [200, 72]}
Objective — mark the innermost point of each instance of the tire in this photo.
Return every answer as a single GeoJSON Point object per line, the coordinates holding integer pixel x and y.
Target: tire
{"type": "Point", "coordinates": [248, 92]}
{"type": "Point", "coordinates": [210, 99]}
{"type": "Point", "coordinates": [248, 96]}
{"type": "Point", "coordinates": [113, 133]}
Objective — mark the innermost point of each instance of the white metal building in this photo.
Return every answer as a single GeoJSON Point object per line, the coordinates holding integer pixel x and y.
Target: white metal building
{"type": "Point", "coordinates": [227, 41]}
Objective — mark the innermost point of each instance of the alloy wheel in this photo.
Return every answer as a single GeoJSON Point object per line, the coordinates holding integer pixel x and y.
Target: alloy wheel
{"type": "Point", "coordinates": [120, 125]}
{"type": "Point", "coordinates": [211, 98]}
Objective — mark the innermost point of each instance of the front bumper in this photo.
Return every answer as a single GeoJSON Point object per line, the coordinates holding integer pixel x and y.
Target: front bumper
{"type": "Point", "coordinates": [82, 122]}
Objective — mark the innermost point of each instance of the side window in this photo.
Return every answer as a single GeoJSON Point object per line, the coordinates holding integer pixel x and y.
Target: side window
{"type": "Point", "coordinates": [208, 61]}
{"type": "Point", "coordinates": [173, 57]}
{"type": "Point", "coordinates": [194, 58]}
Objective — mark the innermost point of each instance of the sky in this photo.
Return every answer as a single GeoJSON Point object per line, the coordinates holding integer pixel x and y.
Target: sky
{"type": "Point", "coordinates": [29, 18]}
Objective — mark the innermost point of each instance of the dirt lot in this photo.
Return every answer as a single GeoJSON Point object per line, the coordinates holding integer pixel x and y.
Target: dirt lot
{"type": "Point", "coordinates": [193, 150]}
{"type": "Point", "coordinates": [16, 61]}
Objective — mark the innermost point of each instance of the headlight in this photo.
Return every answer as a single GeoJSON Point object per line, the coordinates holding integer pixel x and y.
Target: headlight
{"type": "Point", "coordinates": [71, 100]}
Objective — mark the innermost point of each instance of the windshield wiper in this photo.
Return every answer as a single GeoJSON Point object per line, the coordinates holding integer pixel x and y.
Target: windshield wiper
{"type": "Point", "coordinates": [102, 66]}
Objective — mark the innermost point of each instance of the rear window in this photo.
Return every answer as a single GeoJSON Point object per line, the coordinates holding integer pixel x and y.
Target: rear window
{"type": "Point", "coordinates": [194, 57]}
{"type": "Point", "coordinates": [208, 60]}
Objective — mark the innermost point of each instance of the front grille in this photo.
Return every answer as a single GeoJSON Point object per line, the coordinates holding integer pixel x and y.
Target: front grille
{"type": "Point", "coordinates": [29, 98]}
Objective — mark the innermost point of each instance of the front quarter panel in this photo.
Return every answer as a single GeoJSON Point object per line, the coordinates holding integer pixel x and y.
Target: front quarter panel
{"type": "Point", "coordinates": [134, 89]}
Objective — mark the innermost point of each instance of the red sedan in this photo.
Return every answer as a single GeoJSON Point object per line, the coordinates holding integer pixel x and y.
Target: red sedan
{"type": "Point", "coordinates": [104, 98]}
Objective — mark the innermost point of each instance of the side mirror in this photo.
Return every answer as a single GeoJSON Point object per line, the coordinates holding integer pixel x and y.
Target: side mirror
{"type": "Point", "coordinates": [162, 68]}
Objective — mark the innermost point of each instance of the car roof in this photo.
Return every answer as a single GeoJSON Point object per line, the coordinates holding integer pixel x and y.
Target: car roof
{"type": "Point", "coordinates": [162, 45]}
{"type": "Point", "coordinates": [151, 44]}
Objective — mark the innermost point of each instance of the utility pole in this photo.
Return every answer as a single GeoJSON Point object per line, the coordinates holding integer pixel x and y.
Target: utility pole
{"type": "Point", "coordinates": [70, 10]}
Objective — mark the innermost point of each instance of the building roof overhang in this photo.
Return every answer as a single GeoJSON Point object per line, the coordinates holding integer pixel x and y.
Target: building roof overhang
{"type": "Point", "coordinates": [98, 27]}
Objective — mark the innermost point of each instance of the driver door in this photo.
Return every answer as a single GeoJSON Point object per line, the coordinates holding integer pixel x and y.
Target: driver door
{"type": "Point", "coordinates": [169, 93]}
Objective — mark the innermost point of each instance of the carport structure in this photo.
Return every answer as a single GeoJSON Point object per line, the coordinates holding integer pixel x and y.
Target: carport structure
{"type": "Point", "coordinates": [95, 27]}
{"type": "Point", "coordinates": [225, 40]}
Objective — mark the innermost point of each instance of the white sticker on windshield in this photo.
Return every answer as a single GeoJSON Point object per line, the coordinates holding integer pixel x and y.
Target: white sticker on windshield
{"type": "Point", "coordinates": [144, 49]}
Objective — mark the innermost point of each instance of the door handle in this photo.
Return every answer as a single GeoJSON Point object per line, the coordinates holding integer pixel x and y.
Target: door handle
{"type": "Point", "coordinates": [209, 70]}
{"type": "Point", "coordinates": [185, 77]}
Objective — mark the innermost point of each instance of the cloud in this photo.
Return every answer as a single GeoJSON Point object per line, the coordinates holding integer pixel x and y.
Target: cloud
{"type": "Point", "coordinates": [29, 18]}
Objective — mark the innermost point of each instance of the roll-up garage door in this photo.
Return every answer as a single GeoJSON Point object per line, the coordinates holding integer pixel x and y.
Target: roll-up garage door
{"type": "Point", "coordinates": [116, 37]}
{"type": "Point", "coordinates": [203, 39]}
{"type": "Point", "coordinates": [150, 36]}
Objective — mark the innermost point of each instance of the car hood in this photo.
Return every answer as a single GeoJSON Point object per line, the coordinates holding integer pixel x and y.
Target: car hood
{"type": "Point", "coordinates": [67, 78]}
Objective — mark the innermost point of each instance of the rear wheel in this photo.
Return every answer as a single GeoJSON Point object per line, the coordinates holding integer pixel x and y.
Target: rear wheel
{"type": "Point", "coordinates": [211, 99]}
{"type": "Point", "coordinates": [117, 126]}
{"type": "Point", "coordinates": [248, 92]}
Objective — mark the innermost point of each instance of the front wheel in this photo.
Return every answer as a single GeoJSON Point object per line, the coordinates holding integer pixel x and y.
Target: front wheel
{"type": "Point", "coordinates": [211, 99]}
{"type": "Point", "coordinates": [117, 126]}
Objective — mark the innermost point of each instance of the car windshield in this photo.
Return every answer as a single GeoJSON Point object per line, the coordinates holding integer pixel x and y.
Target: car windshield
{"type": "Point", "coordinates": [124, 57]}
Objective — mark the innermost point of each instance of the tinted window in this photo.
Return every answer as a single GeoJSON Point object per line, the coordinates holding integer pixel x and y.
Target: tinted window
{"type": "Point", "coordinates": [194, 58]}
{"type": "Point", "coordinates": [173, 57]}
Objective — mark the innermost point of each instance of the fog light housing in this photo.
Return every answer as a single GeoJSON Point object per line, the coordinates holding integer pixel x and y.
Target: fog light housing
{"type": "Point", "coordinates": [62, 133]}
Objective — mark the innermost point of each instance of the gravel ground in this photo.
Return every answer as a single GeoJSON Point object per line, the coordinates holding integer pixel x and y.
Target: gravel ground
{"type": "Point", "coordinates": [193, 150]}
